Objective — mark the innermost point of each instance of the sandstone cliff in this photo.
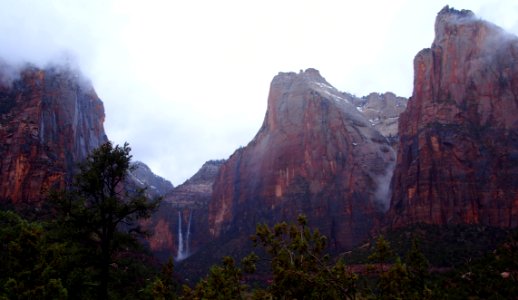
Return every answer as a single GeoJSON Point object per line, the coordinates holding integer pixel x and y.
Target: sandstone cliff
{"type": "Point", "coordinates": [458, 151]}
{"type": "Point", "coordinates": [315, 154]}
{"type": "Point", "coordinates": [49, 120]}
{"type": "Point", "coordinates": [180, 226]}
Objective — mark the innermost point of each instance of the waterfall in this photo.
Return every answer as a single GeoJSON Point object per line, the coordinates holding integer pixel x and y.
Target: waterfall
{"type": "Point", "coordinates": [179, 255]}
{"type": "Point", "coordinates": [183, 245]}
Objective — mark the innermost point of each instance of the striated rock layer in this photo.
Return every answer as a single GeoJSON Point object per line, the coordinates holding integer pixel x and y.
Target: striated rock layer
{"type": "Point", "coordinates": [315, 154]}
{"type": "Point", "coordinates": [458, 151]}
{"type": "Point", "coordinates": [186, 206]}
{"type": "Point", "coordinates": [49, 120]}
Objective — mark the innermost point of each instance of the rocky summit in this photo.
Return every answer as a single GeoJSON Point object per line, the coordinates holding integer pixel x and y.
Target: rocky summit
{"type": "Point", "coordinates": [50, 119]}
{"type": "Point", "coordinates": [458, 149]}
{"type": "Point", "coordinates": [315, 154]}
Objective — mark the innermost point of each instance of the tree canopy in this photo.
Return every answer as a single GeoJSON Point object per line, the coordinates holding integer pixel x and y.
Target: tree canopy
{"type": "Point", "coordinates": [103, 206]}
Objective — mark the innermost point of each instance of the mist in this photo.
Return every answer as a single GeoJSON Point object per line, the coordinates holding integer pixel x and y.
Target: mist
{"type": "Point", "coordinates": [383, 192]}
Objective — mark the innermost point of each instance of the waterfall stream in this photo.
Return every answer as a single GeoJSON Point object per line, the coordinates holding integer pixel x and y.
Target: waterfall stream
{"type": "Point", "coordinates": [183, 244]}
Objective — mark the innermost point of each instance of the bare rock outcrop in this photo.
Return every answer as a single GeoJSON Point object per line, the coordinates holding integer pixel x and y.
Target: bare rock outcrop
{"type": "Point", "coordinates": [50, 119]}
{"type": "Point", "coordinates": [315, 154]}
{"type": "Point", "coordinates": [458, 150]}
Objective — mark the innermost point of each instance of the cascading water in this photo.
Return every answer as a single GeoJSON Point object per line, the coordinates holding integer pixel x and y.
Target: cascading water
{"type": "Point", "coordinates": [179, 255]}
{"type": "Point", "coordinates": [183, 245]}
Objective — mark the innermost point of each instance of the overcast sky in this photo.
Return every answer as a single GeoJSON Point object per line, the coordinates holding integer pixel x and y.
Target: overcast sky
{"type": "Point", "coordinates": [187, 81]}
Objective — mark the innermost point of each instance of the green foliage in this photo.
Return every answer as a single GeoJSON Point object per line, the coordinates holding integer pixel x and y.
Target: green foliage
{"type": "Point", "coordinates": [96, 216]}
{"type": "Point", "coordinates": [382, 254]}
{"type": "Point", "coordinates": [30, 263]}
{"type": "Point", "coordinates": [493, 277]}
{"type": "Point", "coordinates": [86, 247]}
{"type": "Point", "coordinates": [444, 246]}
{"type": "Point", "coordinates": [103, 201]}
{"type": "Point", "coordinates": [223, 282]}
{"type": "Point", "coordinates": [300, 267]}
{"type": "Point", "coordinates": [394, 283]}
{"type": "Point", "coordinates": [163, 286]}
{"type": "Point", "coordinates": [398, 280]}
{"type": "Point", "coordinates": [418, 269]}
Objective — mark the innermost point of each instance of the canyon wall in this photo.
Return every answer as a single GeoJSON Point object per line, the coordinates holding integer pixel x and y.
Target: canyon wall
{"type": "Point", "coordinates": [458, 149]}
{"type": "Point", "coordinates": [50, 119]}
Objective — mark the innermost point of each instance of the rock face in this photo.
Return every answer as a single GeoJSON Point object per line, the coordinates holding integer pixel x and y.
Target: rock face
{"type": "Point", "coordinates": [197, 190]}
{"type": "Point", "coordinates": [315, 154]}
{"type": "Point", "coordinates": [49, 120]}
{"type": "Point", "coordinates": [180, 225]}
{"type": "Point", "coordinates": [383, 112]}
{"type": "Point", "coordinates": [143, 177]}
{"type": "Point", "coordinates": [458, 151]}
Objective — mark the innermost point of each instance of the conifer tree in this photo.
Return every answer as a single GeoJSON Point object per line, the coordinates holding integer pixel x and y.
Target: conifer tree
{"type": "Point", "coordinates": [102, 207]}
{"type": "Point", "coordinates": [300, 266]}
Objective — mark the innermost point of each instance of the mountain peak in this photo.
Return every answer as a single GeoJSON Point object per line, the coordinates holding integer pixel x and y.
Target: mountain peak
{"type": "Point", "coordinates": [291, 92]}
{"type": "Point", "coordinates": [311, 74]}
{"type": "Point", "coordinates": [315, 154]}
{"type": "Point", "coordinates": [450, 11]}
{"type": "Point", "coordinates": [458, 145]}
{"type": "Point", "coordinates": [308, 75]}
{"type": "Point", "coordinates": [462, 25]}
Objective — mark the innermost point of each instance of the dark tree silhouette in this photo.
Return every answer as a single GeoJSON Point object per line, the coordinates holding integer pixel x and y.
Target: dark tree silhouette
{"type": "Point", "coordinates": [103, 207]}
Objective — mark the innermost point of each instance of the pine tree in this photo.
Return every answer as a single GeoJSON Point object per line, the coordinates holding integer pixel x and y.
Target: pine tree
{"type": "Point", "coordinates": [101, 207]}
{"type": "Point", "coordinates": [223, 282]}
{"type": "Point", "coordinates": [382, 254]}
{"type": "Point", "coordinates": [30, 264]}
{"type": "Point", "coordinates": [300, 266]}
{"type": "Point", "coordinates": [418, 272]}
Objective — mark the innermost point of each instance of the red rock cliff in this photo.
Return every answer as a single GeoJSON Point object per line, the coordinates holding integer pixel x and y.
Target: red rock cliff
{"type": "Point", "coordinates": [314, 154]}
{"type": "Point", "coordinates": [458, 151]}
{"type": "Point", "coordinates": [49, 120]}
